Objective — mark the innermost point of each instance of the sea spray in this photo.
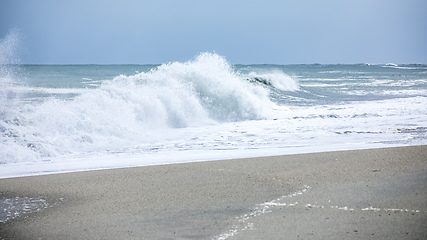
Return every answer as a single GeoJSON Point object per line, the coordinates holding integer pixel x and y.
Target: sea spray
{"type": "Point", "coordinates": [9, 46]}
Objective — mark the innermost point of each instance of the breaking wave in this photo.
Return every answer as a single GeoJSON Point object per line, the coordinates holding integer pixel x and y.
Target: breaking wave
{"type": "Point", "coordinates": [135, 109]}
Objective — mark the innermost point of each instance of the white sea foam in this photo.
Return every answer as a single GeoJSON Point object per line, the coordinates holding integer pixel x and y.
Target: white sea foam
{"type": "Point", "coordinates": [11, 208]}
{"type": "Point", "coordinates": [296, 130]}
{"type": "Point", "coordinates": [203, 109]}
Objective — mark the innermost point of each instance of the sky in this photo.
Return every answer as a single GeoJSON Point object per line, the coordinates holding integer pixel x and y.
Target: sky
{"type": "Point", "coordinates": [243, 31]}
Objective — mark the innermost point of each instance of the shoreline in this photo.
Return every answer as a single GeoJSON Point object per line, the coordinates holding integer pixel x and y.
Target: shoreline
{"type": "Point", "coordinates": [107, 162]}
{"type": "Point", "coordinates": [373, 193]}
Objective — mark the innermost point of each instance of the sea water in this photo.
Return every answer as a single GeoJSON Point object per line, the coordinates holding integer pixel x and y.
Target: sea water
{"type": "Point", "coordinates": [61, 118]}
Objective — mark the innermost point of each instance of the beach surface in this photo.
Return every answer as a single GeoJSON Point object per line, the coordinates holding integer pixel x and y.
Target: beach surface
{"type": "Point", "coordinates": [360, 194]}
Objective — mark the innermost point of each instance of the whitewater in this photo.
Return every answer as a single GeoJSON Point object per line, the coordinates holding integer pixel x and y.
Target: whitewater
{"type": "Point", "coordinates": [66, 118]}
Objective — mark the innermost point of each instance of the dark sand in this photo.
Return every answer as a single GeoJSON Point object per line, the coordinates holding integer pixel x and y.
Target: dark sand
{"type": "Point", "coordinates": [364, 194]}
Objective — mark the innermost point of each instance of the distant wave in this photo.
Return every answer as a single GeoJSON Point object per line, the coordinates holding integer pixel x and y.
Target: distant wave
{"type": "Point", "coordinates": [276, 79]}
{"type": "Point", "coordinates": [406, 66]}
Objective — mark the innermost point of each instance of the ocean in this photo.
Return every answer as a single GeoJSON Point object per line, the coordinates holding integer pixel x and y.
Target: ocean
{"type": "Point", "coordinates": [65, 118]}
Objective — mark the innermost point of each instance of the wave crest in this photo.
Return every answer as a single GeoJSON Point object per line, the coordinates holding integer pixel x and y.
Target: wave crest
{"type": "Point", "coordinates": [193, 91]}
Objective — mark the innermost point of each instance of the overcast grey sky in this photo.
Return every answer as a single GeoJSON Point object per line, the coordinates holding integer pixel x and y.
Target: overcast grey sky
{"type": "Point", "coordinates": [244, 31]}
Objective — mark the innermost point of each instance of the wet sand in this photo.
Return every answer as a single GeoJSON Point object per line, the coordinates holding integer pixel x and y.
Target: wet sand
{"type": "Point", "coordinates": [362, 194]}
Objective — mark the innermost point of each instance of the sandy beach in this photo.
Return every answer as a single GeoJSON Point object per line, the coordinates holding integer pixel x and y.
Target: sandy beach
{"type": "Point", "coordinates": [361, 194]}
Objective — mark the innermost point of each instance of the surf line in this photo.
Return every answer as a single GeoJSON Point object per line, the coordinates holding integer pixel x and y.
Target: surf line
{"type": "Point", "coordinates": [243, 222]}
{"type": "Point", "coordinates": [367, 209]}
